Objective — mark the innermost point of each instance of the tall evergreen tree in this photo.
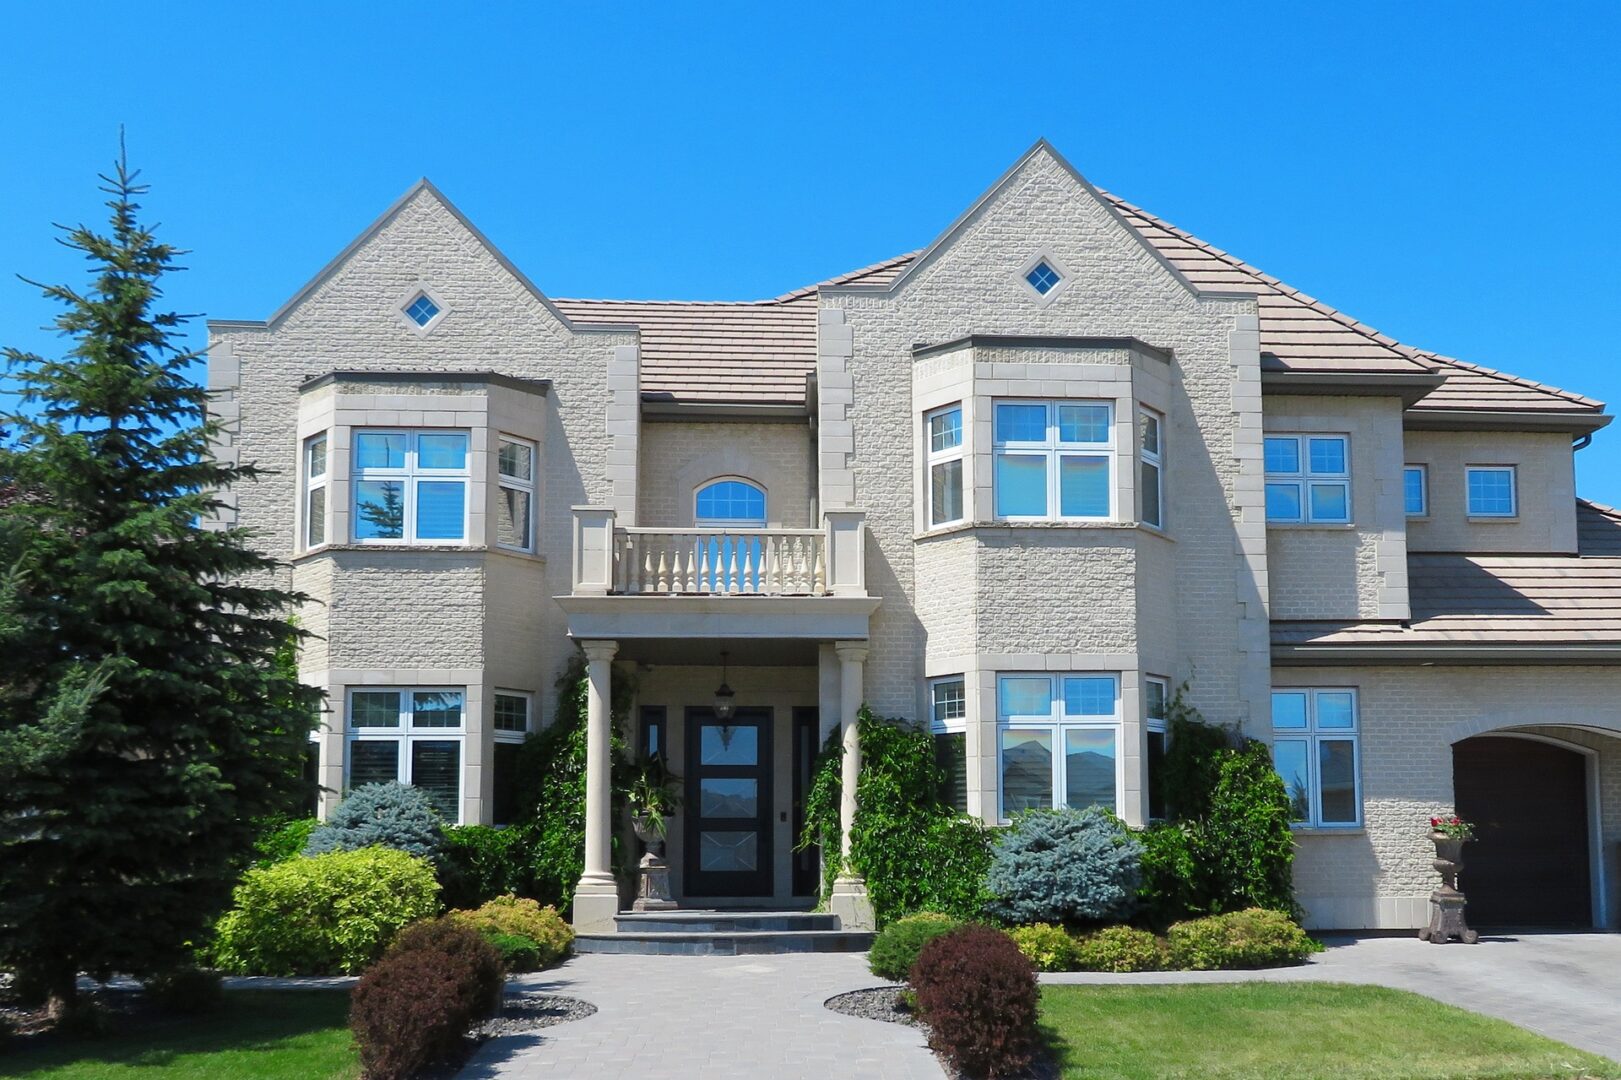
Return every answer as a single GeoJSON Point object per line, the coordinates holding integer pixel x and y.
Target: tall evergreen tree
{"type": "Point", "coordinates": [144, 721]}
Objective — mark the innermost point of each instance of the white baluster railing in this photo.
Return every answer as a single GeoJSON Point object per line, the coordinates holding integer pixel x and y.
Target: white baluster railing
{"type": "Point", "coordinates": [720, 562]}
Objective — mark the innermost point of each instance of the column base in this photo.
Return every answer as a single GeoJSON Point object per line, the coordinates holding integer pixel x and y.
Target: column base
{"type": "Point", "coordinates": [851, 904]}
{"type": "Point", "coordinates": [596, 902]}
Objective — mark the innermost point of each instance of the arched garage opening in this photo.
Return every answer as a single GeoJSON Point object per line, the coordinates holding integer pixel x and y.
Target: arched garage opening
{"type": "Point", "coordinates": [1531, 862]}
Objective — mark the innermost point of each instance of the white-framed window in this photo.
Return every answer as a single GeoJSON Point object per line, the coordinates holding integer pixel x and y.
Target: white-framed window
{"type": "Point", "coordinates": [1314, 749]}
{"type": "Point", "coordinates": [315, 489]}
{"type": "Point", "coordinates": [1053, 460]}
{"type": "Point", "coordinates": [1308, 479]}
{"type": "Point", "coordinates": [515, 471]}
{"type": "Point", "coordinates": [511, 714]}
{"type": "Point", "coordinates": [943, 429]}
{"type": "Point", "coordinates": [509, 721]}
{"type": "Point", "coordinates": [948, 722]}
{"type": "Point", "coordinates": [1491, 491]}
{"type": "Point", "coordinates": [1151, 466]}
{"type": "Point", "coordinates": [411, 734]}
{"type": "Point", "coordinates": [1058, 742]}
{"type": "Point", "coordinates": [1415, 490]}
{"type": "Point", "coordinates": [410, 487]}
{"type": "Point", "coordinates": [1156, 711]}
{"type": "Point", "coordinates": [729, 500]}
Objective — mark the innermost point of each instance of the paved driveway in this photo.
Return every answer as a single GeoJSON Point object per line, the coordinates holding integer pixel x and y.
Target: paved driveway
{"type": "Point", "coordinates": [1565, 986]}
{"type": "Point", "coordinates": [715, 1017]}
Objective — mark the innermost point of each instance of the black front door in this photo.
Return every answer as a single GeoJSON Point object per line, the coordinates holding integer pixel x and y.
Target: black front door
{"type": "Point", "coordinates": [1528, 865]}
{"type": "Point", "coordinates": [728, 804]}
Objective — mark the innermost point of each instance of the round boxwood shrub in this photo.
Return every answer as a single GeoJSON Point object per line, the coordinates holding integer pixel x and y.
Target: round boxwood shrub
{"type": "Point", "coordinates": [1047, 947]}
{"type": "Point", "coordinates": [1120, 948]}
{"type": "Point", "coordinates": [1065, 866]}
{"type": "Point", "coordinates": [518, 953]}
{"type": "Point", "coordinates": [413, 1007]}
{"type": "Point", "coordinates": [543, 926]}
{"type": "Point", "coordinates": [391, 815]}
{"type": "Point", "coordinates": [1253, 938]}
{"type": "Point", "coordinates": [978, 995]}
{"type": "Point", "coordinates": [323, 915]}
{"type": "Point", "coordinates": [897, 945]}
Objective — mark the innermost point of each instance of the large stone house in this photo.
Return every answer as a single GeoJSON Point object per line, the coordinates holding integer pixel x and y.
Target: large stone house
{"type": "Point", "coordinates": [1020, 485]}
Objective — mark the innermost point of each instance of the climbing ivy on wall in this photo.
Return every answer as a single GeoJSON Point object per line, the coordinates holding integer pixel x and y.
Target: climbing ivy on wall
{"type": "Point", "coordinates": [915, 852]}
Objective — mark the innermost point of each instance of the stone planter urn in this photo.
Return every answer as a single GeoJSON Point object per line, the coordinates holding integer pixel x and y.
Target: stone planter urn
{"type": "Point", "coordinates": [1447, 903]}
{"type": "Point", "coordinates": [653, 873]}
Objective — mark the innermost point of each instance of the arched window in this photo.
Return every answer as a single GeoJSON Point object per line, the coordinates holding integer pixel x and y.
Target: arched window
{"type": "Point", "coordinates": [730, 502]}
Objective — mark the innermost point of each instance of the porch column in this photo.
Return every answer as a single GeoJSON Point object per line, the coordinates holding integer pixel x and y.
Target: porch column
{"type": "Point", "coordinates": [849, 901]}
{"type": "Point", "coordinates": [596, 898]}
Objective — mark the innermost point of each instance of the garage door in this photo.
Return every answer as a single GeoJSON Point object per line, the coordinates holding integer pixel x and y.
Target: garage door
{"type": "Point", "coordinates": [1529, 863]}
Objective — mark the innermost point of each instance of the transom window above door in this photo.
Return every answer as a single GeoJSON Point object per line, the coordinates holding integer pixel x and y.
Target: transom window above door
{"type": "Point", "coordinates": [1054, 460]}
{"type": "Point", "coordinates": [1308, 479]}
{"type": "Point", "coordinates": [730, 502]}
{"type": "Point", "coordinates": [410, 487]}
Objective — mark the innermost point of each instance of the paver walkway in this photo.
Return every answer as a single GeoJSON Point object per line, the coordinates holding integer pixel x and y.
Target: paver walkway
{"type": "Point", "coordinates": [1564, 986]}
{"type": "Point", "coordinates": [715, 1017]}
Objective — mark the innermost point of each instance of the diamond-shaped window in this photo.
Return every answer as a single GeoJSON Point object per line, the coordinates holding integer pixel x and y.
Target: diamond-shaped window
{"type": "Point", "coordinates": [1042, 277]}
{"type": "Point", "coordinates": [422, 311]}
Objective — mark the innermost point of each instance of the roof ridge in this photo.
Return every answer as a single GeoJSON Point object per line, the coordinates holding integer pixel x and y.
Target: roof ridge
{"type": "Point", "coordinates": [840, 279]}
{"type": "Point", "coordinates": [665, 303]}
{"type": "Point", "coordinates": [788, 297]}
{"type": "Point", "coordinates": [1521, 380]}
{"type": "Point", "coordinates": [1276, 284]}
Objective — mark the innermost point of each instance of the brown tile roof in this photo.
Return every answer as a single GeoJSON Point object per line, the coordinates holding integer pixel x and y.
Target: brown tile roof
{"type": "Point", "coordinates": [1484, 600]}
{"type": "Point", "coordinates": [760, 352]}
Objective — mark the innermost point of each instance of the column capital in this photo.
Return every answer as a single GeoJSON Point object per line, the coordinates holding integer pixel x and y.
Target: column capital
{"type": "Point", "coordinates": [851, 651]}
{"type": "Point", "coordinates": [599, 650]}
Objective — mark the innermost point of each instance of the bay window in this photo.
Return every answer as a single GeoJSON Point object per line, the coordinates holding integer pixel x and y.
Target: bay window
{"type": "Point", "coordinates": [1308, 479]}
{"type": "Point", "coordinates": [1058, 742]}
{"type": "Point", "coordinates": [515, 469]}
{"type": "Point", "coordinates": [315, 488]}
{"type": "Point", "coordinates": [948, 722]}
{"type": "Point", "coordinates": [1314, 749]}
{"type": "Point", "coordinates": [943, 428]}
{"type": "Point", "coordinates": [410, 487]}
{"type": "Point", "coordinates": [410, 735]}
{"type": "Point", "coordinates": [1053, 460]}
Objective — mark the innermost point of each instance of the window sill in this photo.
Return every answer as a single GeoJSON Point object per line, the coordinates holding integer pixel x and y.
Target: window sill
{"type": "Point", "coordinates": [1492, 519]}
{"type": "Point", "coordinates": [1329, 830]}
{"type": "Point", "coordinates": [1319, 526]}
{"type": "Point", "coordinates": [429, 549]}
{"type": "Point", "coordinates": [973, 526]}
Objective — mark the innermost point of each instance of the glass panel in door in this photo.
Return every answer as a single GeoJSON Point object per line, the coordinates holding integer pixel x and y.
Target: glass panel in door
{"type": "Point", "coordinates": [728, 805]}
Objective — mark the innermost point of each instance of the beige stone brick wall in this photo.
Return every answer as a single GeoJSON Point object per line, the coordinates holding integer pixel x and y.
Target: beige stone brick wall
{"type": "Point", "coordinates": [1355, 571]}
{"type": "Point", "coordinates": [1380, 876]}
{"type": "Point", "coordinates": [1546, 483]}
{"type": "Point", "coordinates": [678, 457]}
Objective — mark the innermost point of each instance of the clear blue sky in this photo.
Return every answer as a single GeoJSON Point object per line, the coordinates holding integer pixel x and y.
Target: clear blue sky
{"type": "Point", "coordinates": [1445, 172]}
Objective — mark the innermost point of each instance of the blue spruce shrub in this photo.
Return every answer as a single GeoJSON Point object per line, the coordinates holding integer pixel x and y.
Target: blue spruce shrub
{"type": "Point", "coordinates": [390, 815]}
{"type": "Point", "coordinates": [1065, 866]}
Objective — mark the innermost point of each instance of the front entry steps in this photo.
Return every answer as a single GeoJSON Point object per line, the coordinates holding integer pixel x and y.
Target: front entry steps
{"type": "Point", "coordinates": [724, 933]}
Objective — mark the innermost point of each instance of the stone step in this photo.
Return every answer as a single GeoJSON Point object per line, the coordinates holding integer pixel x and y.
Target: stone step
{"type": "Point", "coordinates": [722, 922]}
{"type": "Point", "coordinates": [725, 943]}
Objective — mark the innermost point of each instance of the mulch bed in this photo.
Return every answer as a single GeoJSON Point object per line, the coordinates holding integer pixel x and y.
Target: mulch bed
{"type": "Point", "coordinates": [885, 1003]}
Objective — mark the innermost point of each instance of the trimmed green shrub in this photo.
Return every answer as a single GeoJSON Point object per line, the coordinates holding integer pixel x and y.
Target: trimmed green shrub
{"type": "Point", "coordinates": [479, 863]}
{"type": "Point", "coordinates": [391, 815]}
{"type": "Point", "coordinates": [916, 852]}
{"type": "Point", "coordinates": [283, 839]}
{"type": "Point", "coordinates": [1120, 948]}
{"type": "Point", "coordinates": [1245, 850]}
{"type": "Point", "coordinates": [1254, 938]}
{"type": "Point", "coordinates": [513, 915]}
{"type": "Point", "coordinates": [897, 945]}
{"type": "Point", "coordinates": [518, 953]}
{"type": "Point", "coordinates": [1170, 877]}
{"type": "Point", "coordinates": [325, 914]}
{"type": "Point", "coordinates": [413, 1008]}
{"type": "Point", "coordinates": [185, 991]}
{"type": "Point", "coordinates": [1047, 947]}
{"type": "Point", "coordinates": [1065, 866]}
{"type": "Point", "coordinates": [978, 995]}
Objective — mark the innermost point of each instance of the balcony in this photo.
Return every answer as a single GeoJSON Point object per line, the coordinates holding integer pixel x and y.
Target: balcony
{"type": "Point", "coordinates": [640, 582]}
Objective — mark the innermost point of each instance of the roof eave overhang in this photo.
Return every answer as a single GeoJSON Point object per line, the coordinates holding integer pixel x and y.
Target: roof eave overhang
{"type": "Point", "coordinates": [1582, 421]}
{"type": "Point", "coordinates": [1410, 653]}
{"type": "Point", "coordinates": [820, 618]}
{"type": "Point", "coordinates": [486, 378]}
{"type": "Point", "coordinates": [1016, 341]}
{"type": "Point", "coordinates": [1411, 387]}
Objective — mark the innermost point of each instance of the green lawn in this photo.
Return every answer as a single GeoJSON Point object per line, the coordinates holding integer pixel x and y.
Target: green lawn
{"type": "Point", "coordinates": [1295, 1031]}
{"type": "Point", "coordinates": [258, 1035]}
